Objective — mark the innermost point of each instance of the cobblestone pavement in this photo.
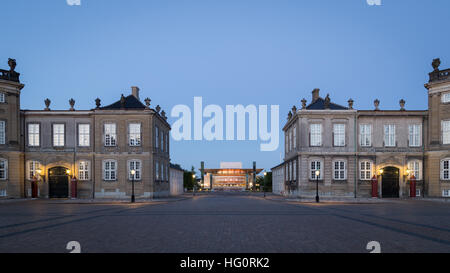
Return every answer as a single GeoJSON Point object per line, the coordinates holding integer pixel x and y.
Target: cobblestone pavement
{"type": "Point", "coordinates": [224, 223]}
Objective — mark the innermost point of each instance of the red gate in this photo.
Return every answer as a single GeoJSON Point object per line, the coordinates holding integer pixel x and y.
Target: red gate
{"type": "Point", "coordinates": [374, 186]}
{"type": "Point", "coordinates": [74, 187]}
{"type": "Point", "coordinates": [412, 186]}
{"type": "Point", "coordinates": [34, 188]}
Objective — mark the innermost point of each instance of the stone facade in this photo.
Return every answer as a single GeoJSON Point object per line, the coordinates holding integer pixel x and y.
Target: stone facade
{"type": "Point", "coordinates": [98, 148]}
{"type": "Point", "coordinates": [176, 180]}
{"type": "Point", "coordinates": [351, 147]}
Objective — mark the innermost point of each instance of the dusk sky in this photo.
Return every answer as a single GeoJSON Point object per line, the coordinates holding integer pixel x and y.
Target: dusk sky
{"type": "Point", "coordinates": [232, 52]}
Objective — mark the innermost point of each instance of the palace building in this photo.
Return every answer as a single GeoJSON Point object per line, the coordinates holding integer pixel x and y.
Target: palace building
{"type": "Point", "coordinates": [230, 176]}
{"type": "Point", "coordinates": [43, 153]}
{"type": "Point", "coordinates": [348, 148]}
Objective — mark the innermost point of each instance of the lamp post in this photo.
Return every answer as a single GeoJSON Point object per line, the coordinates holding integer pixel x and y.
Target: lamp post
{"type": "Point", "coordinates": [133, 198]}
{"type": "Point", "coordinates": [264, 187]}
{"type": "Point", "coordinates": [195, 183]}
{"type": "Point", "coordinates": [317, 186]}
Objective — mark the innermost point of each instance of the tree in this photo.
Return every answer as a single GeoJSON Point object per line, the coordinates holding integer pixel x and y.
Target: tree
{"type": "Point", "coordinates": [268, 182]}
{"type": "Point", "coordinates": [188, 179]}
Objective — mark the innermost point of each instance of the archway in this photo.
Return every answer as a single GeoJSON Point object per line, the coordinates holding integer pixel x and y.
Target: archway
{"type": "Point", "coordinates": [58, 183]}
{"type": "Point", "coordinates": [391, 182]}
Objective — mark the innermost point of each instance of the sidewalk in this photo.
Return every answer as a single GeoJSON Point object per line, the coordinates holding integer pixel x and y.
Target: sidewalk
{"type": "Point", "coordinates": [99, 200]}
{"type": "Point", "coordinates": [352, 200]}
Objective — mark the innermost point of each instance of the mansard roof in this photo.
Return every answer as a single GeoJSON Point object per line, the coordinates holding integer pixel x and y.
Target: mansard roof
{"type": "Point", "coordinates": [319, 104]}
{"type": "Point", "coordinates": [130, 102]}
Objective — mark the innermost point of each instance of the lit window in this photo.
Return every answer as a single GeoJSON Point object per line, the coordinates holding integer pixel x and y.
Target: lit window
{"type": "Point", "coordinates": [446, 132]}
{"type": "Point", "coordinates": [3, 169]}
{"type": "Point", "coordinates": [446, 98]}
{"type": "Point", "coordinates": [316, 166]}
{"type": "Point", "coordinates": [316, 135]}
{"type": "Point", "coordinates": [110, 134]}
{"type": "Point", "coordinates": [339, 135]}
{"type": "Point", "coordinates": [445, 169]}
{"type": "Point", "coordinates": [58, 135]}
{"type": "Point", "coordinates": [110, 170]}
{"type": "Point", "coordinates": [157, 171]}
{"type": "Point", "coordinates": [339, 170]}
{"type": "Point", "coordinates": [33, 167]}
{"type": "Point", "coordinates": [2, 97]}
{"type": "Point", "coordinates": [2, 132]}
{"type": "Point", "coordinates": [389, 135]}
{"type": "Point", "coordinates": [135, 134]}
{"type": "Point", "coordinates": [365, 132]}
{"type": "Point", "coordinates": [33, 135]}
{"type": "Point", "coordinates": [415, 133]}
{"type": "Point", "coordinates": [136, 166]}
{"type": "Point", "coordinates": [83, 135]}
{"type": "Point", "coordinates": [365, 168]}
{"type": "Point", "coordinates": [83, 171]}
{"type": "Point", "coordinates": [414, 169]}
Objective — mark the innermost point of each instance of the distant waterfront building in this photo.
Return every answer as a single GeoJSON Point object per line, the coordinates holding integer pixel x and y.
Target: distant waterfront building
{"type": "Point", "coordinates": [104, 148]}
{"type": "Point", "coordinates": [230, 176]}
{"type": "Point", "coordinates": [350, 147]}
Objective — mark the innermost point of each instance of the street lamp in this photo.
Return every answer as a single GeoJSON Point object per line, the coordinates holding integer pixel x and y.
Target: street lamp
{"type": "Point", "coordinates": [133, 199]}
{"type": "Point", "coordinates": [317, 186]}
{"type": "Point", "coordinates": [195, 183]}
{"type": "Point", "coordinates": [264, 187]}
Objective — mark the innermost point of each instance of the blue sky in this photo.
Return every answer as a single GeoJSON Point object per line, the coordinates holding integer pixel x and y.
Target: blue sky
{"type": "Point", "coordinates": [228, 52]}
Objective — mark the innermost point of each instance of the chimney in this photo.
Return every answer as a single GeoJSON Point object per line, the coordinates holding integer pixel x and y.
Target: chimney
{"type": "Point", "coordinates": [135, 92]}
{"type": "Point", "coordinates": [315, 94]}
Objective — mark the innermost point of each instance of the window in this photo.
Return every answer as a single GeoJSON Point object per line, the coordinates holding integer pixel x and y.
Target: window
{"type": "Point", "coordinates": [2, 132]}
{"type": "Point", "coordinates": [84, 135]}
{"type": "Point", "coordinates": [316, 166]}
{"type": "Point", "coordinates": [33, 167]}
{"type": "Point", "coordinates": [157, 171]}
{"type": "Point", "coordinates": [365, 169]}
{"type": "Point", "coordinates": [83, 171]}
{"type": "Point", "coordinates": [58, 135]}
{"type": "Point", "coordinates": [162, 171]}
{"type": "Point", "coordinates": [389, 135]}
{"type": "Point", "coordinates": [445, 169]}
{"type": "Point", "coordinates": [339, 135]}
{"type": "Point", "coordinates": [295, 137]}
{"type": "Point", "coordinates": [295, 170]}
{"type": "Point", "coordinates": [365, 134]}
{"type": "Point", "coordinates": [286, 142]}
{"type": "Point", "coordinates": [135, 134]}
{"type": "Point", "coordinates": [446, 193]}
{"type": "Point", "coordinates": [167, 142]}
{"type": "Point", "coordinates": [414, 169]}
{"type": "Point", "coordinates": [446, 98]}
{"type": "Point", "coordinates": [110, 170]}
{"type": "Point", "coordinates": [162, 141]}
{"type": "Point", "coordinates": [156, 137]}
{"type": "Point", "coordinates": [33, 135]}
{"type": "Point", "coordinates": [415, 135]}
{"type": "Point", "coordinates": [316, 135]}
{"type": "Point", "coordinates": [136, 166]}
{"type": "Point", "coordinates": [3, 169]}
{"type": "Point", "coordinates": [110, 134]}
{"type": "Point", "coordinates": [2, 97]}
{"type": "Point", "coordinates": [339, 170]}
{"type": "Point", "coordinates": [446, 132]}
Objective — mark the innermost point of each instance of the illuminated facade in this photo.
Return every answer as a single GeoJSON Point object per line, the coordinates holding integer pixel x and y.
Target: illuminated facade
{"type": "Point", "coordinates": [230, 176]}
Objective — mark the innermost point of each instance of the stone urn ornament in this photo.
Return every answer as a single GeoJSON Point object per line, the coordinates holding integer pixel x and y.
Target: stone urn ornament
{"type": "Point", "coordinates": [72, 104]}
{"type": "Point", "coordinates": [377, 104]}
{"type": "Point", "coordinates": [147, 102]}
{"type": "Point", "coordinates": [158, 108]}
{"type": "Point", "coordinates": [47, 104]}
{"type": "Point", "coordinates": [350, 104]}
{"type": "Point", "coordinates": [98, 102]}
{"type": "Point", "coordinates": [436, 63]}
{"type": "Point", "coordinates": [402, 105]}
{"type": "Point", "coordinates": [303, 103]}
{"type": "Point", "coordinates": [294, 109]}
